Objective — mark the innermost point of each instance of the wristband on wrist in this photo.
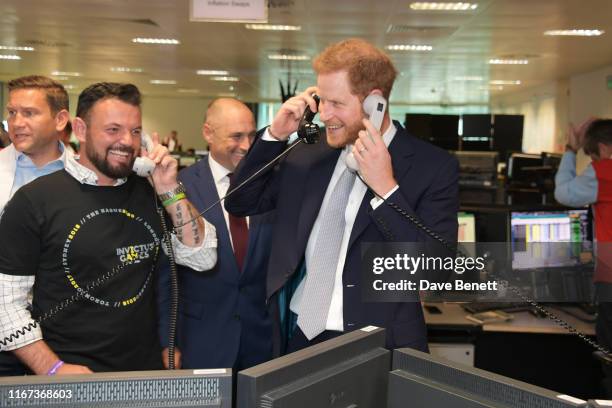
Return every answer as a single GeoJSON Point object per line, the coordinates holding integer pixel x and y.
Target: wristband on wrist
{"type": "Point", "coordinates": [174, 199]}
{"type": "Point", "coordinates": [174, 195]}
{"type": "Point", "coordinates": [56, 366]}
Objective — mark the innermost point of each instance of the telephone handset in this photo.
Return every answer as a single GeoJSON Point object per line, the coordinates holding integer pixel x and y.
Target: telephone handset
{"type": "Point", "coordinates": [143, 166]}
{"type": "Point", "coordinates": [307, 131]}
{"type": "Point", "coordinates": [375, 107]}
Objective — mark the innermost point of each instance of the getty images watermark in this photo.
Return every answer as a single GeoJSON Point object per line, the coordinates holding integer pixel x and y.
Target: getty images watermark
{"type": "Point", "coordinates": [545, 272]}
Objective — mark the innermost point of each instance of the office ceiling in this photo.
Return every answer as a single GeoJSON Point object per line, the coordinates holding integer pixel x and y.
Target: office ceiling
{"type": "Point", "coordinates": [93, 36]}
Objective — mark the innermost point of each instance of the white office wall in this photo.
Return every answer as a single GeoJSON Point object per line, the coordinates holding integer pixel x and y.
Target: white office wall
{"type": "Point", "coordinates": [589, 96]}
{"type": "Point", "coordinates": [545, 108]}
{"type": "Point", "coordinates": [574, 100]}
{"type": "Point", "coordinates": [185, 115]}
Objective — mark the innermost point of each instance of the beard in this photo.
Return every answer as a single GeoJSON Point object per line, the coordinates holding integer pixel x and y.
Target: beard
{"type": "Point", "coordinates": [121, 170]}
{"type": "Point", "coordinates": [349, 134]}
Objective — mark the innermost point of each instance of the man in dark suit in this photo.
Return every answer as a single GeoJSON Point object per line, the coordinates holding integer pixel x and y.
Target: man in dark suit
{"type": "Point", "coordinates": [223, 320]}
{"type": "Point", "coordinates": [312, 188]}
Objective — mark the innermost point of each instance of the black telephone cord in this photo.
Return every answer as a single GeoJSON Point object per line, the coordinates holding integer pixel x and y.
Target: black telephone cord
{"type": "Point", "coordinates": [504, 284]}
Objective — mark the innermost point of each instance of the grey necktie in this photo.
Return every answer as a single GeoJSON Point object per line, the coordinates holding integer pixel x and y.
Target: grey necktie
{"type": "Point", "coordinates": [321, 273]}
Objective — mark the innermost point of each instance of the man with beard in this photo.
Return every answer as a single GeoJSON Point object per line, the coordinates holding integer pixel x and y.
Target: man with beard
{"type": "Point", "coordinates": [94, 222]}
{"type": "Point", "coordinates": [324, 213]}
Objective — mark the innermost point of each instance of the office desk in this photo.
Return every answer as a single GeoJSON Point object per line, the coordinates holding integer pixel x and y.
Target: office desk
{"type": "Point", "coordinates": [529, 348]}
{"type": "Point", "coordinates": [453, 316]}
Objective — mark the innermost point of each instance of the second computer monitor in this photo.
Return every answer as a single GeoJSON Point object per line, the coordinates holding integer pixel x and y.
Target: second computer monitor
{"type": "Point", "coordinates": [349, 370]}
{"type": "Point", "coordinates": [422, 380]}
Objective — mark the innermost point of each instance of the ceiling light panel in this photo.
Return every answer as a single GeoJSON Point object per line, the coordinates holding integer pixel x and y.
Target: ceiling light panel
{"type": "Point", "coordinates": [163, 82]}
{"type": "Point", "coordinates": [66, 74]}
{"type": "Point", "coordinates": [504, 82]}
{"type": "Point", "coordinates": [288, 57]}
{"type": "Point", "coordinates": [162, 41]}
{"type": "Point", "coordinates": [225, 78]}
{"type": "Point", "coordinates": [575, 33]}
{"type": "Point", "coordinates": [127, 69]}
{"type": "Point", "coordinates": [443, 6]}
{"type": "Point", "coordinates": [271, 27]}
{"type": "Point", "coordinates": [498, 61]}
{"type": "Point", "coordinates": [409, 47]}
{"type": "Point", "coordinates": [15, 48]}
{"type": "Point", "coordinates": [9, 57]}
{"type": "Point", "coordinates": [212, 72]}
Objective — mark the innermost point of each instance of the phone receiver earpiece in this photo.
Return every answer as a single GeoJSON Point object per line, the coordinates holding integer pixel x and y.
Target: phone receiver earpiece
{"type": "Point", "coordinates": [307, 131]}
{"type": "Point", "coordinates": [375, 106]}
{"type": "Point", "coordinates": [143, 166]}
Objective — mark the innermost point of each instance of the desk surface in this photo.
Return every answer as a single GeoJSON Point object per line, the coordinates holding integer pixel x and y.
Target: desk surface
{"type": "Point", "coordinates": [453, 315]}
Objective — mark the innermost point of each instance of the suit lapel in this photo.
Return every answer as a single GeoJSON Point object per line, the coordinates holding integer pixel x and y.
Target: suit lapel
{"type": "Point", "coordinates": [400, 150]}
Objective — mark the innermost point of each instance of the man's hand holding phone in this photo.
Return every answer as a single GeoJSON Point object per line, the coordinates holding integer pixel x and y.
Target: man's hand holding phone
{"type": "Point", "coordinates": [288, 117]}
{"type": "Point", "coordinates": [165, 172]}
{"type": "Point", "coordinates": [374, 160]}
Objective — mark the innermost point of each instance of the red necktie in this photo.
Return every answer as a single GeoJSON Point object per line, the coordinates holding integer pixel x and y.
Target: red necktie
{"type": "Point", "coordinates": [240, 236]}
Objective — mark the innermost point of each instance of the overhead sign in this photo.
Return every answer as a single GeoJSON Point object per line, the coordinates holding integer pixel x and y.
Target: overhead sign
{"type": "Point", "coordinates": [229, 11]}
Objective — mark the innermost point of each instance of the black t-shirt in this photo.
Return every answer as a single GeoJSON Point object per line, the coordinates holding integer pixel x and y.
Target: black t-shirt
{"type": "Point", "coordinates": [68, 235]}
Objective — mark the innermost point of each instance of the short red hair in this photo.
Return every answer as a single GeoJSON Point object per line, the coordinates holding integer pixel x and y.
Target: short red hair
{"type": "Point", "coordinates": [368, 67]}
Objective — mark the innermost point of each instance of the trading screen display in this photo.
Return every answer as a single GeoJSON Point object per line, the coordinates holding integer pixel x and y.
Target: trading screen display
{"type": "Point", "coordinates": [550, 239]}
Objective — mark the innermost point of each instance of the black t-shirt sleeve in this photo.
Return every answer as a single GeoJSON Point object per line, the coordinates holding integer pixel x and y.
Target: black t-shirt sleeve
{"type": "Point", "coordinates": [19, 237]}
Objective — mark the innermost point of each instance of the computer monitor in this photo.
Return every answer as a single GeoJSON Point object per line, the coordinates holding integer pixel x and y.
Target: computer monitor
{"type": "Point", "coordinates": [421, 380]}
{"type": "Point", "coordinates": [445, 131]}
{"type": "Point", "coordinates": [476, 132]}
{"type": "Point", "coordinates": [552, 160]}
{"type": "Point", "coordinates": [549, 239]}
{"type": "Point", "coordinates": [349, 370]}
{"type": "Point", "coordinates": [409, 390]}
{"type": "Point", "coordinates": [467, 227]}
{"type": "Point", "coordinates": [520, 166]}
{"type": "Point", "coordinates": [476, 162]}
{"type": "Point", "coordinates": [176, 388]}
{"type": "Point", "coordinates": [418, 125]}
{"type": "Point", "coordinates": [508, 134]}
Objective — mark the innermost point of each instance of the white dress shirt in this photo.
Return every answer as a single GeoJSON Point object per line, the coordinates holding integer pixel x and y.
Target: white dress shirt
{"type": "Point", "coordinates": [222, 182]}
{"type": "Point", "coordinates": [335, 318]}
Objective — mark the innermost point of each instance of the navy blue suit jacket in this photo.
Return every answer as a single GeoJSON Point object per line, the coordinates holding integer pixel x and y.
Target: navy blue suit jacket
{"type": "Point", "coordinates": [428, 187]}
{"type": "Point", "coordinates": [223, 319]}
